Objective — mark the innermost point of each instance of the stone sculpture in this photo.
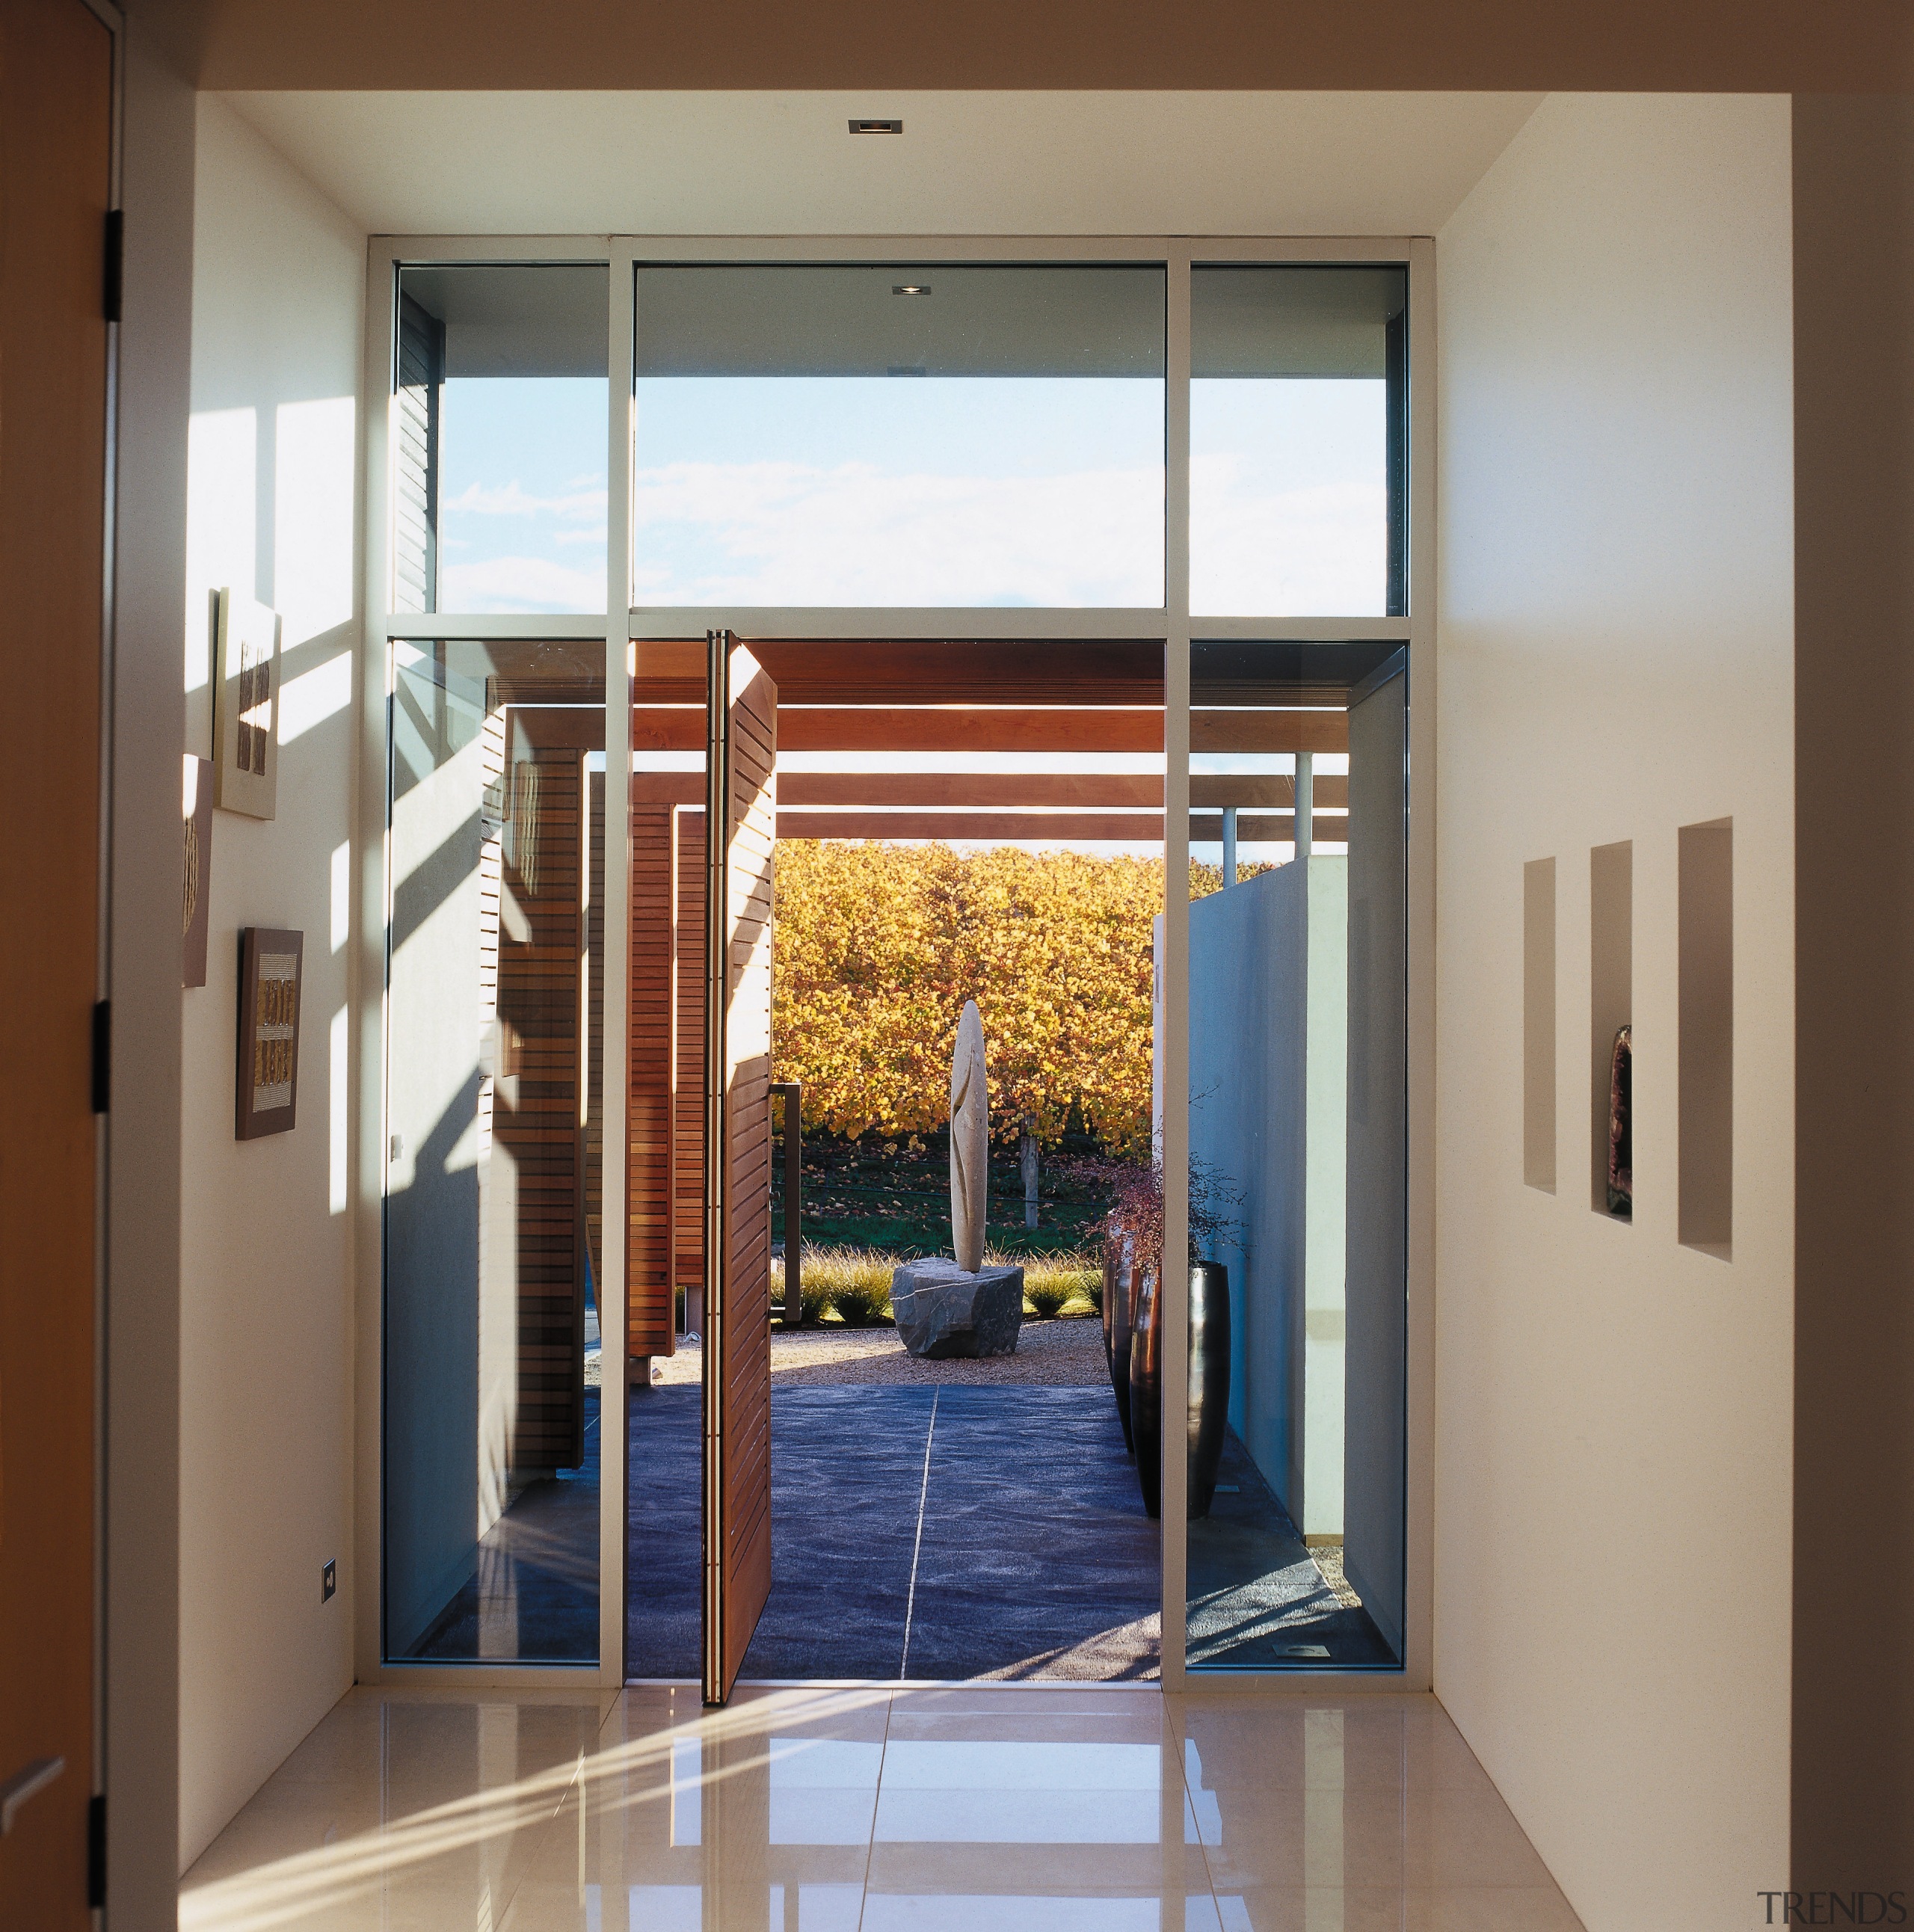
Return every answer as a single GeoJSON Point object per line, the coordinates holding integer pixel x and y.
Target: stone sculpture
{"type": "Point", "coordinates": [970, 1140]}
{"type": "Point", "coordinates": [946, 1308]}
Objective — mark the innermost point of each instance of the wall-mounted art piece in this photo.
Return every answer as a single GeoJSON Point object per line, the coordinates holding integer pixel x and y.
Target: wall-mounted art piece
{"type": "Point", "coordinates": [246, 704]}
{"type": "Point", "coordinates": [1621, 1125]}
{"type": "Point", "coordinates": [196, 818]}
{"type": "Point", "coordinates": [267, 1086]}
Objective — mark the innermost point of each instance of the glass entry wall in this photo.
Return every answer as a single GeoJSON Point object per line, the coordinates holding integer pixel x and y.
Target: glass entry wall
{"type": "Point", "coordinates": [1298, 1155]}
{"type": "Point", "coordinates": [494, 1098]}
{"type": "Point", "coordinates": [1005, 442]}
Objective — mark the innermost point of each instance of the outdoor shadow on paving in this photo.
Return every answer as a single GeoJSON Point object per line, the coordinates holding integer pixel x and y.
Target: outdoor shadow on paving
{"type": "Point", "coordinates": [1036, 1558]}
{"type": "Point", "coordinates": [1257, 1600]}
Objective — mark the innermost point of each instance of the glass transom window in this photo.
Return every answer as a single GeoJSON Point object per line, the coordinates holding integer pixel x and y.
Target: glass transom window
{"type": "Point", "coordinates": [1297, 441]}
{"type": "Point", "coordinates": [888, 436]}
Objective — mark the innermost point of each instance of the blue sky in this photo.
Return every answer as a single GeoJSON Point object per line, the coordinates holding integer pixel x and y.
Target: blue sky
{"type": "Point", "coordinates": [914, 491]}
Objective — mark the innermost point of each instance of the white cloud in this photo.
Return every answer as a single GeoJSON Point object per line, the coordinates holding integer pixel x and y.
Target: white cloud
{"type": "Point", "coordinates": [1320, 550]}
{"type": "Point", "coordinates": [792, 533]}
{"type": "Point", "coordinates": [509, 583]}
{"type": "Point", "coordinates": [512, 499]}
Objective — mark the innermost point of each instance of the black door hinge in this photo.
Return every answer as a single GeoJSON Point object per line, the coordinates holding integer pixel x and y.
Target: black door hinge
{"type": "Point", "coordinates": [96, 1852]}
{"type": "Point", "coordinates": [103, 1055]}
{"type": "Point", "coordinates": [114, 278]}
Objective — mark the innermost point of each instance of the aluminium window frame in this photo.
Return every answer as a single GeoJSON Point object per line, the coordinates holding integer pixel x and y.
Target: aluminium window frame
{"type": "Point", "coordinates": [623, 622]}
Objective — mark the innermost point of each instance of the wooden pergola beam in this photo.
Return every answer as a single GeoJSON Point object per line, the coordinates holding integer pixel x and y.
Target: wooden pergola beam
{"type": "Point", "coordinates": [1010, 728]}
{"type": "Point", "coordinates": [990, 791]}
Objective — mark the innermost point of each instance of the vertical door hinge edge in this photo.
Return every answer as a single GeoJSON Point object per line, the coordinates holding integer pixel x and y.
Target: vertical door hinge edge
{"type": "Point", "coordinates": [113, 278]}
{"type": "Point", "coordinates": [103, 1055]}
{"type": "Point", "coordinates": [96, 1852]}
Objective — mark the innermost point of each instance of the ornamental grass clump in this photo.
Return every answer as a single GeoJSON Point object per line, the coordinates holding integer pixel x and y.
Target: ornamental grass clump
{"type": "Point", "coordinates": [1054, 1282]}
{"type": "Point", "coordinates": [854, 1282]}
{"type": "Point", "coordinates": [813, 1300]}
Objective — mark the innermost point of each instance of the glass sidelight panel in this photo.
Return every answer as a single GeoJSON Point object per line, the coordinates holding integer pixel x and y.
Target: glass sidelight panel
{"type": "Point", "coordinates": [1298, 1047]}
{"type": "Point", "coordinates": [492, 1222]}
{"type": "Point", "coordinates": [1299, 440]}
{"type": "Point", "coordinates": [914, 434]}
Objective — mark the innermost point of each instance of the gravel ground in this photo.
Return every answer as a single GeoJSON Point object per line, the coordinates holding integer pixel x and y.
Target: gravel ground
{"type": "Point", "coordinates": [1063, 1354]}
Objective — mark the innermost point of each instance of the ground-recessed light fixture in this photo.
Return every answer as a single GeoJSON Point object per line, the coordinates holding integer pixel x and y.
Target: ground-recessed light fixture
{"type": "Point", "coordinates": [877, 126]}
{"type": "Point", "coordinates": [910, 288]}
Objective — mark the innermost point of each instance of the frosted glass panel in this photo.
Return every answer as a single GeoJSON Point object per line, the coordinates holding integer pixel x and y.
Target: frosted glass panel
{"type": "Point", "coordinates": [900, 435]}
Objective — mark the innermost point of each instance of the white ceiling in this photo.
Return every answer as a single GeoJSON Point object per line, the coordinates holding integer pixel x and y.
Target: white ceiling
{"type": "Point", "coordinates": [967, 163]}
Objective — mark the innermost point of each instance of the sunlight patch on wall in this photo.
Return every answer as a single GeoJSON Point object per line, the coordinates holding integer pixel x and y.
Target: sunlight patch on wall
{"type": "Point", "coordinates": [221, 522]}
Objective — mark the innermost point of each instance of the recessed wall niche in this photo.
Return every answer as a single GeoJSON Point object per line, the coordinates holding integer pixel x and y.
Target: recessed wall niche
{"type": "Point", "coordinates": [1611, 998]}
{"type": "Point", "coordinates": [1705, 1055]}
{"type": "Point", "coordinates": [1538, 1024]}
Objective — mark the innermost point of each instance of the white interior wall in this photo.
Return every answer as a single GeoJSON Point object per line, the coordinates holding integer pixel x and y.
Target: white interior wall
{"type": "Point", "coordinates": [266, 1264]}
{"type": "Point", "coordinates": [1613, 1436]}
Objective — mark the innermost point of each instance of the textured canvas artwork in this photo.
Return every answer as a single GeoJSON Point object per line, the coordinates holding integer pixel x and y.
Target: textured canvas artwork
{"type": "Point", "coordinates": [196, 814]}
{"type": "Point", "coordinates": [267, 1072]}
{"type": "Point", "coordinates": [246, 703]}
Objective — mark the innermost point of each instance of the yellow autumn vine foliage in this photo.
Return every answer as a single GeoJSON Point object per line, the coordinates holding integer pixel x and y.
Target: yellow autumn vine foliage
{"type": "Point", "coordinates": [878, 947]}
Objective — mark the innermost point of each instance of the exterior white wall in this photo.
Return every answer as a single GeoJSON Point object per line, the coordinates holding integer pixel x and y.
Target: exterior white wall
{"type": "Point", "coordinates": [1269, 1003]}
{"type": "Point", "coordinates": [1248, 967]}
{"type": "Point", "coordinates": [1326, 1205]}
{"type": "Point", "coordinates": [1613, 1439]}
{"type": "Point", "coordinates": [266, 1390]}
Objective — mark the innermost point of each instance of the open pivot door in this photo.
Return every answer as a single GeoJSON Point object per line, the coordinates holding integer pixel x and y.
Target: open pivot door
{"type": "Point", "coordinates": [741, 822]}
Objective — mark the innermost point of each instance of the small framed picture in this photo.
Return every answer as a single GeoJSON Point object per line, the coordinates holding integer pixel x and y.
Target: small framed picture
{"type": "Point", "coordinates": [246, 703]}
{"type": "Point", "coordinates": [267, 1074]}
{"type": "Point", "coordinates": [196, 816]}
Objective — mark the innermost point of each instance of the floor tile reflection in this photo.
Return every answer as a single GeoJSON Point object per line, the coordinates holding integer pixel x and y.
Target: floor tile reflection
{"type": "Point", "coordinates": [877, 1809]}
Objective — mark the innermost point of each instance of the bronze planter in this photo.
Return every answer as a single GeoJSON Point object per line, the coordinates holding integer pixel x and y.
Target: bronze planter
{"type": "Point", "coordinates": [1119, 1293]}
{"type": "Point", "coordinates": [1209, 1386]}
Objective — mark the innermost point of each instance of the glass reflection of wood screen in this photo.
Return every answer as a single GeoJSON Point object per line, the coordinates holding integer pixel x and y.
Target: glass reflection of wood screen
{"type": "Point", "coordinates": [532, 1237]}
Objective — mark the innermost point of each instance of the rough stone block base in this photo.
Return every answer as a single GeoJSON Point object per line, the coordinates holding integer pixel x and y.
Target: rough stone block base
{"type": "Point", "coordinates": [943, 1312]}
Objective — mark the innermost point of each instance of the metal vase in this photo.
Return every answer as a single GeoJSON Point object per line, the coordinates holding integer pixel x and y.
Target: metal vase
{"type": "Point", "coordinates": [1209, 1379]}
{"type": "Point", "coordinates": [1209, 1385]}
{"type": "Point", "coordinates": [1119, 1311]}
{"type": "Point", "coordinates": [1146, 1391]}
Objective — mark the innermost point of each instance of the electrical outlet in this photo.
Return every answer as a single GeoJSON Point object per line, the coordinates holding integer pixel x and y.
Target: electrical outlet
{"type": "Point", "coordinates": [328, 1581]}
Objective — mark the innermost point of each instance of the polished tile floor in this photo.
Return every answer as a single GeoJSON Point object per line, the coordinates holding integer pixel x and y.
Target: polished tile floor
{"type": "Point", "coordinates": [878, 1810]}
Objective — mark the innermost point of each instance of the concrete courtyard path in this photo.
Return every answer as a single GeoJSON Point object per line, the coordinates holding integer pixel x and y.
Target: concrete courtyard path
{"type": "Point", "coordinates": [941, 1530]}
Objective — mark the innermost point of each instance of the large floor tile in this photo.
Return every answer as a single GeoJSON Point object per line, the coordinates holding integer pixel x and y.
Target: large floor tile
{"type": "Point", "coordinates": [400, 1811]}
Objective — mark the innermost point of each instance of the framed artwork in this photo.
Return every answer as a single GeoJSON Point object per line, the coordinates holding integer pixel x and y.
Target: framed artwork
{"type": "Point", "coordinates": [267, 1087]}
{"type": "Point", "coordinates": [246, 705]}
{"type": "Point", "coordinates": [196, 814]}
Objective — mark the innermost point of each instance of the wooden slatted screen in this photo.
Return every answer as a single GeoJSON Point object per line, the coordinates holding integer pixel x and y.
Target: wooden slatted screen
{"type": "Point", "coordinates": [738, 1334]}
{"type": "Point", "coordinates": [422, 355]}
{"type": "Point", "coordinates": [654, 993]}
{"type": "Point", "coordinates": [537, 1128]}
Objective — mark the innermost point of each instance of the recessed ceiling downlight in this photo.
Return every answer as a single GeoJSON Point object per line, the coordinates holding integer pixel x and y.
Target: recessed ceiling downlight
{"type": "Point", "coordinates": [910, 288]}
{"type": "Point", "coordinates": [877, 126]}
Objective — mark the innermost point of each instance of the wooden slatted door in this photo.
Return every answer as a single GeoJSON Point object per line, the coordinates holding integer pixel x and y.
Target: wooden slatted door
{"type": "Point", "coordinates": [740, 836]}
